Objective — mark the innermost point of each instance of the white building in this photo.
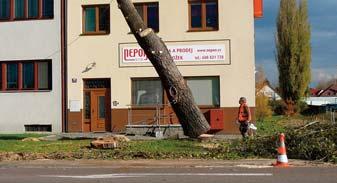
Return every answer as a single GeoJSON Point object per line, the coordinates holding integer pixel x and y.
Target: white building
{"type": "Point", "coordinates": [30, 65]}
{"type": "Point", "coordinates": [269, 92]}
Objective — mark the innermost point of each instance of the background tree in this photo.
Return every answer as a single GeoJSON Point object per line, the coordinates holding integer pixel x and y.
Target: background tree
{"type": "Point", "coordinates": [293, 51]}
{"type": "Point", "coordinates": [260, 78]}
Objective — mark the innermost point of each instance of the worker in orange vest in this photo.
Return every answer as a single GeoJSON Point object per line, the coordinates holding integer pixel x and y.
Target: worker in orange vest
{"type": "Point", "coordinates": [244, 117]}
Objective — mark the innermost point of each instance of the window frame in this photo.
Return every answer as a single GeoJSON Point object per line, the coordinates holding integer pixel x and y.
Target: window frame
{"type": "Point", "coordinates": [97, 18]}
{"type": "Point", "coordinates": [145, 14]}
{"type": "Point", "coordinates": [165, 101]}
{"type": "Point", "coordinates": [20, 87]}
{"type": "Point", "coordinates": [26, 16]}
{"type": "Point", "coordinates": [203, 16]}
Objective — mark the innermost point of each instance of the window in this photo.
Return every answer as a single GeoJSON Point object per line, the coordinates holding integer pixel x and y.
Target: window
{"type": "Point", "coordinates": [28, 75]}
{"type": "Point", "coordinates": [12, 76]}
{"type": "Point", "coordinates": [203, 15]}
{"type": "Point", "coordinates": [33, 8]}
{"type": "Point", "coordinates": [96, 19]}
{"type": "Point", "coordinates": [87, 105]}
{"type": "Point", "coordinates": [25, 75]}
{"type": "Point", "coordinates": [48, 8]}
{"type": "Point", "coordinates": [101, 107]}
{"type": "Point", "coordinates": [26, 9]}
{"type": "Point", "coordinates": [150, 14]}
{"type": "Point", "coordinates": [5, 9]}
{"type": "Point", "coordinates": [44, 71]}
{"type": "Point", "coordinates": [147, 92]}
{"type": "Point", "coordinates": [19, 9]}
{"type": "Point", "coordinates": [38, 128]}
{"type": "Point", "coordinates": [206, 90]}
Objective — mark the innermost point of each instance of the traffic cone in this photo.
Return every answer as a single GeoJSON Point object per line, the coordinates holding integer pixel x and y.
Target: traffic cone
{"type": "Point", "coordinates": [282, 159]}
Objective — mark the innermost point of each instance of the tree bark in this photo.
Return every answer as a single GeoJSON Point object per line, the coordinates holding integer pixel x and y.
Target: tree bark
{"type": "Point", "coordinates": [290, 107]}
{"type": "Point", "coordinates": [190, 117]}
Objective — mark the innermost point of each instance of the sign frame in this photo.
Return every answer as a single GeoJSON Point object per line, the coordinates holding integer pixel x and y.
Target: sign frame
{"type": "Point", "coordinates": [191, 43]}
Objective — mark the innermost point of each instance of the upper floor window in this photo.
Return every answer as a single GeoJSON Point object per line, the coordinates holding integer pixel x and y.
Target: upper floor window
{"type": "Point", "coordinates": [150, 14]}
{"type": "Point", "coordinates": [47, 8]}
{"type": "Point", "coordinates": [26, 9]}
{"type": "Point", "coordinates": [25, 75]}
{"type": "Point", "coordinates": [5, 11]}
{"type": "Point", "coordinates": [203, 15]}
{"type": "Point", "coordinates": [96, 19]}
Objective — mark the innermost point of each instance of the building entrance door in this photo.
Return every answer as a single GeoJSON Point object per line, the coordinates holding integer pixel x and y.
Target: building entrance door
{"type": "Point", "coordinates": [97, 109]}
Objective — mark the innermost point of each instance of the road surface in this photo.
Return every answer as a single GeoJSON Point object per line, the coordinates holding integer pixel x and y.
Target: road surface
{"type": "Point", "coordinates": [184, 171]}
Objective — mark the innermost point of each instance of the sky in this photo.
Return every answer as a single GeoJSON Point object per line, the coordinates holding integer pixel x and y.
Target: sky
{"type": "Point", "coordinates": [323, 20]}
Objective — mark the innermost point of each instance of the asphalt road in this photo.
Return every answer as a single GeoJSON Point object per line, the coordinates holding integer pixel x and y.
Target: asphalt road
{"type": "Point", "coordinates": [168, 171]}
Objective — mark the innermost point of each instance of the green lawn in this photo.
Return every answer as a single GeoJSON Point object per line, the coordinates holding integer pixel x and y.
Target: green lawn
{"type": "Point", "coordinates": [20, 136]}
{"type": "Point", "coordinates": [271, 125]}
{"type": "Point", "coordinates": [157, 149]}
{"type": "Point", "coordinates": [18, 146]}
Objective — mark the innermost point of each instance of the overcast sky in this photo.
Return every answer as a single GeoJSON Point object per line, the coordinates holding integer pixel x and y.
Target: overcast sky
{"type": "Point", "coordinates": [323, 19]}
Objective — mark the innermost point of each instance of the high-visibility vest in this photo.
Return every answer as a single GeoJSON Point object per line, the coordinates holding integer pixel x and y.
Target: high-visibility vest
{"type": "Point", "coordinates": [243, 112]}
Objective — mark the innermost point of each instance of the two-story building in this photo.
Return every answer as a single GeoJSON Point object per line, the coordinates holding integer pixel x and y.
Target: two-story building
{"type": "Point", "coordinates": [31, 65]}
{"type": "Point", "coordinates": [111, 83]}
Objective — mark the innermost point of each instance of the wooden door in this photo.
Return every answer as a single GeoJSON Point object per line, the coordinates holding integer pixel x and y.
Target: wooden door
{"type": "Point", "coordinates": [100, 110]}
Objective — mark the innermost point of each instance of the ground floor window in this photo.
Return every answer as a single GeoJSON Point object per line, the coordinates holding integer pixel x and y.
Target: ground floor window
{"type": "Point", "coordinates": [38, 128]}
{"type": "Point", "coordinates": [206, 91]}
{"type": "Point", "coordinates": [147, 92]}
{"type": "Point", "coordinates": [25, 75]}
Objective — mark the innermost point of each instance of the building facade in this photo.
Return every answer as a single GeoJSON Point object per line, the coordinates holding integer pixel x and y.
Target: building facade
{"type": "Point", "coordinates": [111, 83]}
{"type": "Point", "coordinates": [31, 65]}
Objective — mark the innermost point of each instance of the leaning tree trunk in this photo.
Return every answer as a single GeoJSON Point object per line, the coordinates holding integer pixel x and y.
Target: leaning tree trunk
{"type": "Point", "coordinates": [192, 120]}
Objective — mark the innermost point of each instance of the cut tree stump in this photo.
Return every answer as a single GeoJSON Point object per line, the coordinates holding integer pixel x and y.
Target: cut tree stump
{"type": "Point", "coordinates": [110, 142]}
{"type": "Point", "coordinates": [180, 96]}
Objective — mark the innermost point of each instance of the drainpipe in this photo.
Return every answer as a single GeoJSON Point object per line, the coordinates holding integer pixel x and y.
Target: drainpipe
{"type": "Point", "coordinates": [64, 71]}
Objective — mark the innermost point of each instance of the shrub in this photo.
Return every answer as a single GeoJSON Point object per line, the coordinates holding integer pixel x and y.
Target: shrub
{"type": "Point", "coordinates": [263, 109]}
{"type": "Point", "coordinates": [301, 107]}
{"type": "Point", "coordinates": [278, 107]}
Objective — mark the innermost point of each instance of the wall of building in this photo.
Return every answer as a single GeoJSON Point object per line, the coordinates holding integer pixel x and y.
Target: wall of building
{"type": "Point", "coordinates": [32, 40]}
{"type": "Point", "coordinates": [236, 24]}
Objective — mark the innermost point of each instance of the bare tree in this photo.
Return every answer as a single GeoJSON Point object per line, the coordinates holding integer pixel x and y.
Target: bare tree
{"type": "Point", "coordinates": [192, 120]}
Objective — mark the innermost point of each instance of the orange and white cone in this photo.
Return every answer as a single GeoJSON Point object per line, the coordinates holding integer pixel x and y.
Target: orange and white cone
{"type": "Point", "coordinates": [282, 159]}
